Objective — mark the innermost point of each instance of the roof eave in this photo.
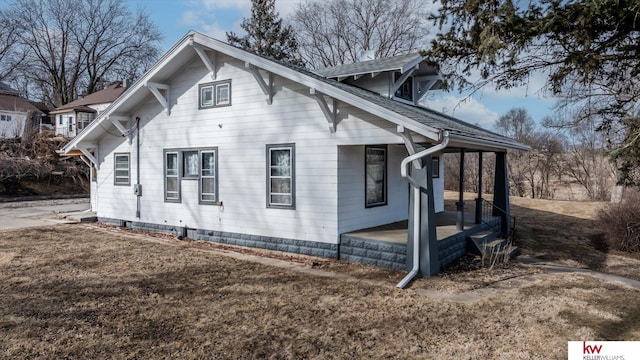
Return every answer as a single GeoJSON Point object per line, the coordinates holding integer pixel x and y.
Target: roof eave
{"type": "Point", "coordinates": [489, 143]}
{"type": "Point", "coordinates": [327, 89]}
{"type": "Point", "coordinates": [136, 86]}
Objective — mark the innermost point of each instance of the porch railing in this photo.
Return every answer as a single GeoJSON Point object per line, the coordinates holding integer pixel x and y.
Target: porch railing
{"type": "Point", "coordinates": [489, 213]}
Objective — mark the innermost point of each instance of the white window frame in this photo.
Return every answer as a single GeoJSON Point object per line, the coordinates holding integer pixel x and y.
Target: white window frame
{"type": "Point", "coordinates": [292, 176]}
{"type": "Point", "coordinates": [121, 180]}
{"type": "Point", "coordinates": [84, 119]}
{"type": "Point", "coordinates": [384, 180]}
{"type": "Point", "coordinates": [216, 100]}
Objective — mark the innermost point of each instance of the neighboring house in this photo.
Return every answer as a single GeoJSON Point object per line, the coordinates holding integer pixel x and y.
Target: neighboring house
{"type": "Point", "coordinates": [72, 118]}
{"type": "Point", "coordinates": [216, 143]}
{"type": "Point", "coordinates": [14, 110]}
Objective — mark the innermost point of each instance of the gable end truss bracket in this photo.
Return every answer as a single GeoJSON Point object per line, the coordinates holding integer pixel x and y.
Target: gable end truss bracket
{"type": "Point", "coordinates": [266, 86]}
{"type": "Point", "coordinates": [329, 114]}
{"type": "Point", "coordinates": [157, 89]}
{"type": "Point", "coordinates": [86, 152]}
{"type": "Point", "coordinates": [117, 122]}
{"type": "Point", "coordinates": [208, 60]}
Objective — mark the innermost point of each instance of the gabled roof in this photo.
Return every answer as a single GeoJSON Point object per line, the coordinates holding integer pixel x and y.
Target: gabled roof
{"type": "Point", "coordinates": [427, 123]}
{"type": "Point", "coordinates": [16, 103]}
{"type": "Point", "coordinates": [104, 96]}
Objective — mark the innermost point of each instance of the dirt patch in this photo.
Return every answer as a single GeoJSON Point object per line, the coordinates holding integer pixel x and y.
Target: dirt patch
{"type": "Point", "coordinates": [72, 291]}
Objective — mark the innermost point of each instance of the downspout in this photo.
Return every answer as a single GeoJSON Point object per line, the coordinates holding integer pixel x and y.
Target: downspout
{"type": "Point", "coordinates": [416, 204]}
{"type": "Point", "coordinates": [138, 187]}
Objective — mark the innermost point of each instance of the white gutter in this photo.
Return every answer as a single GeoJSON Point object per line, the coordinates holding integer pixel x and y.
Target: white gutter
{"type": "Point", "coordinates": [416, 204]}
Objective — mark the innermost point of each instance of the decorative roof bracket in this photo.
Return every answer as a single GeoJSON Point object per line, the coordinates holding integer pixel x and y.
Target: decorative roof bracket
{"type": "Point", "coordinates": [84, 148]}
{"type": "Point", "coordinates": [208, 60]}
{"type": "Point", "coordinates": [267, 89]}
{"type": "Point", "coordinates": [431, 80]}
{"type": "Point", "coordinates": [409, 144]}
{"type": "Point", "coordinates": [330, 115]}
{"type": "Point", "coordinates": [117, 122]}
{"type": "Point", "coordinates": [156, 89]}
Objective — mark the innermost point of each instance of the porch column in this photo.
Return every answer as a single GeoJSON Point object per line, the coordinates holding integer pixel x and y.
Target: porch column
{"type": "Point", "coordinates": [429, 258]}
{"type": "Point", "coordinates": [460, 203]}
{"type": "Point", "coordinates": [501, 192]}
{"type": "Point", "coordinates": [479, 199]}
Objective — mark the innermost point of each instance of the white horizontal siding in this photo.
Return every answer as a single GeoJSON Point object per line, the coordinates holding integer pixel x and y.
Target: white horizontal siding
{"type": "Point", "coordinates": [352, 213]}
{"type": "Point", "coordinates": [241, 132]}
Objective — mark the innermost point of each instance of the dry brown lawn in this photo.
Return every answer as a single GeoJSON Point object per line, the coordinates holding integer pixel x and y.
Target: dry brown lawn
{"type": "Point", "coordinates": [80, 291]}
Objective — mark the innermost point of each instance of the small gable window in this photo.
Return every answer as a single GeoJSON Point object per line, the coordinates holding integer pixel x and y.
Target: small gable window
{"type": "Point", "coordinates": [215, 94]}
{"type": "Point", "coordinates": [405, 91]}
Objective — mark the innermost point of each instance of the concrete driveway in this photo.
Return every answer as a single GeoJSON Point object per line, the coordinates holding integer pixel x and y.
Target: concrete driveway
{"type": "Point", "coordinates": [25, 214]}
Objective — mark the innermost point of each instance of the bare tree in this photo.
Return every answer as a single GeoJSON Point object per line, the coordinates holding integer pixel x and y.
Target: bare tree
{"type": "Point", "coordinates": [336, 32]}
{"type": "Point", "coordinates": [531, 172]}
{"type": "Point", "coordinates": [72, 46]}
{"type": "Point", "coordinates": [10, 57]}
{"type": "Point", "coordinates": [586, 161]}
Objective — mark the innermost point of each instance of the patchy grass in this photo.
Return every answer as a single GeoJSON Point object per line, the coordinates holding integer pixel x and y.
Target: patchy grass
{"type": "Point", "coordinates": [563, 232]}
{"type": "Point", "coordinates": [75, 291]}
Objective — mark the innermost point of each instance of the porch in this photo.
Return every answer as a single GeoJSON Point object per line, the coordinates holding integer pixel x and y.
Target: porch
{"type": "Point", "coordinates": [386, 245]}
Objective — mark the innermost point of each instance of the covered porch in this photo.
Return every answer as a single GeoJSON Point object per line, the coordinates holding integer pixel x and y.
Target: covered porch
{"type": "Point", "coordinates": [387, 245]}
{"type": "Point", "coordinates": [397, 232]}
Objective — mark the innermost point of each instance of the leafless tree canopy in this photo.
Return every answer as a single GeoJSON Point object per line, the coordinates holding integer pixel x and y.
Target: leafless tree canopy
{"type": "Point", "coordinates": [336, 32]}
{"type": "Point", "coordinates": [78, 46]}
{"type": "Point", "coordinates": [10, 57]}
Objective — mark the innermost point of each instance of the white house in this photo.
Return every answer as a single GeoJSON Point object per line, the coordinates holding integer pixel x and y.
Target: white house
{"type": "Point", "coordinates": [70, 119]}
{"type": "Point", "coordinates": [14, 110]}
{"type": "Point", "coordinates": [216, 143]}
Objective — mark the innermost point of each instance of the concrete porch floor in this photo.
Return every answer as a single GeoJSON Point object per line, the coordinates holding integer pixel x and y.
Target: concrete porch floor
{"type": "Point", "coordinates": [397, 232]}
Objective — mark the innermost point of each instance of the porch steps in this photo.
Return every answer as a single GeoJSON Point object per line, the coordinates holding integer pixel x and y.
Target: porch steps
{"type": "Point", "coordinates": [488, 244]}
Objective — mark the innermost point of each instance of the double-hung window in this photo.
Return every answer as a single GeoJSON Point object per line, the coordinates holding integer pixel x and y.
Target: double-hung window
{"type": "Point", "coordinates": [182, 165]}
{"type": "Point", "coordinates": [375, 175]}
{"type": "Point", "coordinates": [215, 94]}
{"type": "Point", "coordinates": [122, 169]}
{"type": "Point", "coordinates": [281, 176]}
{"type": "Point", "coordinates": [171, 176]}
{"type": "Point", "coordinates": [208, 186]}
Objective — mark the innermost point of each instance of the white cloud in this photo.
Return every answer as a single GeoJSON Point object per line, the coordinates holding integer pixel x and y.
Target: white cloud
{"type": "Point", "coordinates": [467, 109]}
{"type": "Point", "coordinates": [216, 17]}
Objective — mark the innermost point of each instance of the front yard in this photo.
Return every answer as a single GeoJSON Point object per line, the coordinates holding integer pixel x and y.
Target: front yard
{"type": "Point", "coordinates": [80, 291]}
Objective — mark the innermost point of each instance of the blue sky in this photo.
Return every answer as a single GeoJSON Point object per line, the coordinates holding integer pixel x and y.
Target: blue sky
{"type": "Point", "coordinates": [214, 17]}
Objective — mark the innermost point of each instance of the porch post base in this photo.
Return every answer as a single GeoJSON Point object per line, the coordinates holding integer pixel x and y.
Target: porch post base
{"type": "Point", "coordinates": [460, 217]}
{"type": "Point", "coordinates": [478, 210]}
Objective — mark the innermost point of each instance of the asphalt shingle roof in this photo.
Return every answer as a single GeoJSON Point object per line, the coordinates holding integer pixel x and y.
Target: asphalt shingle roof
{"type": "Point", "coordinates": [419, 114]}
{"type": "Point", "coordinates": [106, 95]}
{"type": "Point", "coordinates": [369, 66]}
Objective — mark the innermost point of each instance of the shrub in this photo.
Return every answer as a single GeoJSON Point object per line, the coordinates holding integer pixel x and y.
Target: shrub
{"type": "Point", "coordinates": [620, 223]}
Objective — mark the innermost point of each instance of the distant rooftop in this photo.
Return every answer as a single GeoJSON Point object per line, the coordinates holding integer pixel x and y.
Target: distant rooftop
{"type": "Point", "coordinates": [7, 90]}
{"type": "Point", "coordinates": [104, 96]}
